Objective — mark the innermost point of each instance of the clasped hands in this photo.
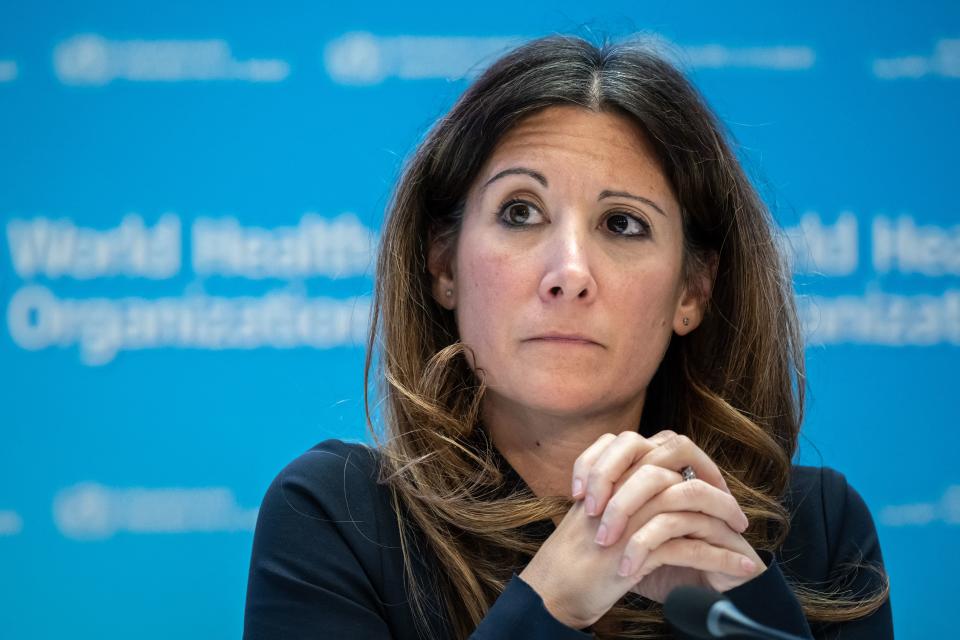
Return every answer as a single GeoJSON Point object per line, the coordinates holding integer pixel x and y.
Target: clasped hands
{"type": "Point", "coordinates": [633, 510]}
{"type": "Point", "coordinates": [683, 532]}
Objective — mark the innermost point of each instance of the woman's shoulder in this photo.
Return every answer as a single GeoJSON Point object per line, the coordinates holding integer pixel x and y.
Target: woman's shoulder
{"type": "Point", "coordinates": [829, 522]}
{"type": "Point", "coordinates": [327, 548]}
{"type": "Point", "coordinates": [333, 484]}
{"type": "Point", "coordinates": [823, 493]}
{"type": "Point", "coordinates": [334, 463]}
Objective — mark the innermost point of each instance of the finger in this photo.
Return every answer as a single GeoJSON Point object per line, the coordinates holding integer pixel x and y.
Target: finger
{"type": "Point", "coordinates": [586, 460]}
{"type": "Point", "coordinates": [657, 439]}
{"type": "Point", "coordinates": [679, 451]}
{"type": "Point", "coordinates": [711, 545]}
{"type": "Point", "coordinates": [692, 495]}
{"type": "Point", "coordinates": [617, 457]}
{"type": "Point", "coordinates": [581, 471]}
{"type": "Point", "coordinates": [697, 554]}
{"type": "Point", "coordinates": [641, 487]}
{"type": "Point", "coordinates": [662, 436]}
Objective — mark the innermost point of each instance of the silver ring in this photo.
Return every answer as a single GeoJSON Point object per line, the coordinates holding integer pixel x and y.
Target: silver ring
{"type": "Point", "coordinates": [688, 473]}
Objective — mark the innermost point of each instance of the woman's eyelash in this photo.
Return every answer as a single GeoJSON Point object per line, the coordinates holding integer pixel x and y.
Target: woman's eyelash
{"type": "Point", "coordinates": [644, 225]}
{"type": "Point", "coordinates": [506, 206]}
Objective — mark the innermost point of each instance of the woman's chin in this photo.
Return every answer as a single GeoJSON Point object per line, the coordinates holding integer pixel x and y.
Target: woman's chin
{"type": "Point", "coordinates": [558, 401]}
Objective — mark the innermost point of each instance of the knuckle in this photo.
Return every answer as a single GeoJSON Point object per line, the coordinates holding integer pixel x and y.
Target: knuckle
{"type": "Point", "coordinates": [692, 489]}
{"type": "Point", "coordinates": [614, 509]}
{"type": "Point", "coordinates": [667, 522]}
{"type": "Point", "coordinates": [648, 469]}
{"type": "Point", "coordinates": [656, 475]}
{"type": "Point", "coordinates": [644, 473]}
{"type": "Point", "coordinates": [698, 551]}
{"type": "Point", "coordinates": [636, 543]}
{"type": "Point", "coordinates": [579, 465]}
{"type": "Point", "coordinates": [731, 561]}
{"type": "Point", "coordinates": [595, 474]}
{"type": "Point", "coordinates": [674, 443]}
{"type": "Point", "coordinates": [659, 473]}
{"type": "Point", "coordinates": [674, 478]}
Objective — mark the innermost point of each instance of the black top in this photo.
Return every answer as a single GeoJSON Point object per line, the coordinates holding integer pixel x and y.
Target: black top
{"type": "Point", "coordinates": [326, 560]}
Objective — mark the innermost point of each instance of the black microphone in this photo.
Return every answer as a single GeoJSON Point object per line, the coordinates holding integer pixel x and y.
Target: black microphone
{"type": "Point", "coordinates": [707, 614]}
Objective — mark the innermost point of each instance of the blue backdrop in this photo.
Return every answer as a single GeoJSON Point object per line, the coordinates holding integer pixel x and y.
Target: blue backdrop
{"type": "Point", "coordinates": [191, 196]}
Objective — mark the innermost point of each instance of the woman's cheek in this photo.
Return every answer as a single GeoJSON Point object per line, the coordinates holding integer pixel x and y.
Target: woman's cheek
{"type": "Point", "coordinates": [490, 276]}
{"type": "Point", "coordinates": [485, 305]}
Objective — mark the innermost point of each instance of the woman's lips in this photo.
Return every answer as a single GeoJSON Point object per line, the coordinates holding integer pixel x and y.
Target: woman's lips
{"type": "Point", "coordinates": [572, 340]}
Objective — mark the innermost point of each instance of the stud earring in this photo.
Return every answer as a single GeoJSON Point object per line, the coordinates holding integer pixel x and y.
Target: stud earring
{"type": "Point", "coordinates": [449, 292]}
{"type": "Point", "coordinates": [686, 321]}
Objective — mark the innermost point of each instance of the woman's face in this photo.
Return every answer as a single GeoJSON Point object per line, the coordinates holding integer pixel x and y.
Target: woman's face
{"type": "Point", "coordinates": [566, 276]}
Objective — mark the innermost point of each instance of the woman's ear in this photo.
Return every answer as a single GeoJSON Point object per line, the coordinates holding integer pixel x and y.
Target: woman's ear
{"type": "Point", "coordinates": [439, 264]}
{"type": "Point", "coordinates": [695, 296]}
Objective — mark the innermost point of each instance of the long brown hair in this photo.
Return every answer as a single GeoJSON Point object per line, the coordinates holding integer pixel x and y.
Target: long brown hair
{"type": "Point", "coordinates": [735, 386]}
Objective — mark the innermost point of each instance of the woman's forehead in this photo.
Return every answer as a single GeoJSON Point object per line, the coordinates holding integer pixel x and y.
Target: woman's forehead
{"type": "Point", "coordinates": [604, 145]}
{"type": "Point", "coordinates": [576, 118]}
{"type": "Point", "coordinates": [563, 129]}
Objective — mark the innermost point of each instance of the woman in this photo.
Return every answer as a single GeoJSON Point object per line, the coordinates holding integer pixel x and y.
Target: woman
{"type": "Point", "coordinates": [593, 387]}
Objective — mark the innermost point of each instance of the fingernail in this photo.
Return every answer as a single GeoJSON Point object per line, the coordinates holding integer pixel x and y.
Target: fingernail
{"type": "Point", "coordinates": [601, 535]}
{"type": "Point", "coordinates": [591, 506]}
{"type": "Point", "coordinates": [577, 487]}
{"type": "Point", "coordinates": [624, 569]}
{"type": "Point", "coordinates": [748, 565]}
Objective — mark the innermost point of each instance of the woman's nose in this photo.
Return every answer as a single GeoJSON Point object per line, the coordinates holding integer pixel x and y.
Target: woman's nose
{"type": "Point", "coordinates": [568, 273]}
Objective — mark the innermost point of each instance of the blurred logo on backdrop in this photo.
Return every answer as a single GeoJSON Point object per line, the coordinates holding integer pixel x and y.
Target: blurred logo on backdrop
{"type": "Point", "coordinates": [91, 511]}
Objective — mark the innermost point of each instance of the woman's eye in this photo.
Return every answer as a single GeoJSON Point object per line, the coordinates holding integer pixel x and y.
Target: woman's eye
{"type": "Point", "coordinates": [517, 213]}
{"type": "Point", "coordinates": [627, 225]}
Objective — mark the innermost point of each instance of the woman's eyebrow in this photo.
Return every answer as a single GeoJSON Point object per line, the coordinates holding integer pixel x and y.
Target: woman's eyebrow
{"type": "Point", "coordinates": [536, 175]}
{"type": "Point", "coordinates": [624, 194]}
{"type": "Point", "coordinates": [539, 177]}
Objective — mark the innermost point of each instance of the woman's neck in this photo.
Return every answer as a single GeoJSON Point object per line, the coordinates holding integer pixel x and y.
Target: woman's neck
{"type": "Point", "coordinates": [542, 448]}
